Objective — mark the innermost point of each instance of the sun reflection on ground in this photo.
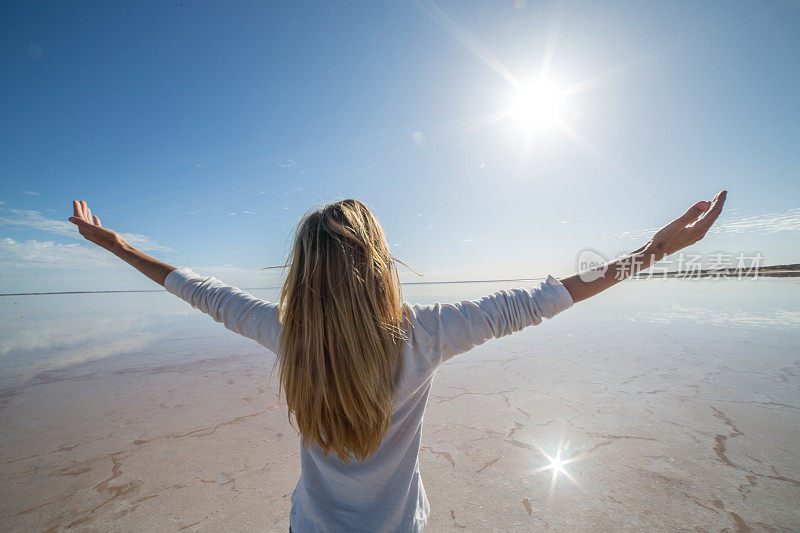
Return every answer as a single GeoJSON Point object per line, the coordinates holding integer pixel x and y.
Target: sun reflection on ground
{"type": "Point", "coordinates": [556, 463]}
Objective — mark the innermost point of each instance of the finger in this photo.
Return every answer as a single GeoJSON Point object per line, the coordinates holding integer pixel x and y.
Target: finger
{"type": "Point", "coordinates": [88, 213]}
{"type": "Point", "coordinates": [83, 226]}
{"type": "Point", "coordinates": [97, 222]}
{"type": "Point", "coordinates": [78, 221]}
{"type": "Point", "coordinates": [719, 201]}
{"type": "Point", "coordinates": [708, 219]}
{"type": "Point", "coordinates": [76, 206]}
{"type": "Point", "coordinates": [687, 218]}
{"type": "Point", "coordinates": [84, 211]}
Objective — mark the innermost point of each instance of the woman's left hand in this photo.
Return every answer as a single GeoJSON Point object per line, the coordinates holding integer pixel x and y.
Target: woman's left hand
{"type": "Point", "coordinates": [89, 226]}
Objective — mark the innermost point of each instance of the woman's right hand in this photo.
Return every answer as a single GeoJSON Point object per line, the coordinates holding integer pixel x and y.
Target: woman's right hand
{"type": "Point", "coordinates": [89, 226]}
{"type": "Point", "coordinates": [686, 229]}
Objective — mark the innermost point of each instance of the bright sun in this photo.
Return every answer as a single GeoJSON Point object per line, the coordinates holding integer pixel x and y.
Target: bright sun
{"type": "Point", "coordinates": [538, 105]}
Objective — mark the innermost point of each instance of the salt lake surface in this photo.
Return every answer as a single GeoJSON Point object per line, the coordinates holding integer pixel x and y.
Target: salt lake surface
{"type": "Point", "coordinates": [675, 405]}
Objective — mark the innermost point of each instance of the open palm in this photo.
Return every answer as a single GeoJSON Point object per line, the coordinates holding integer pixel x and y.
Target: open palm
{"type": "Point", "coordinates": [89, 226]}
{"type": "Point", "coordinates": [688, 228]}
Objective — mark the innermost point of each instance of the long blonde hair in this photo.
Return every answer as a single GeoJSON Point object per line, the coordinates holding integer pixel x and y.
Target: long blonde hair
{"type": "Point", "coordinates": [341, 309]}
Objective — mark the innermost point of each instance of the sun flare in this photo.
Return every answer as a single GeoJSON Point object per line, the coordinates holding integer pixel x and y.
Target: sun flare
{"type": "Point", "coordinates": [538, 105]}
{"type": "Point", "coordinates": [555, 465]}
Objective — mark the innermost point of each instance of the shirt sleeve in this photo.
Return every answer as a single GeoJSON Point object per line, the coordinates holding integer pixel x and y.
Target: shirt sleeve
{"type": "Point", "coordinates": [441, 331]}
{"type": "Point", "coordinates": [241, 312]}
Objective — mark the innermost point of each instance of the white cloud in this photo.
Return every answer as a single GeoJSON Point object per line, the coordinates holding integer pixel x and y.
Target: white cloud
{"type": "Point", "coordinates": [418, 137]}
{"type": "Point", "coordinates": [25, 218]}
{"type": "Point", "coordinates": [145, 243]}
{"type": "Point", "coordinates": [35, 220]}
{"type": "Point", "coordinates": [30, 193]}
{"type": "Point", "coordinates": [287, 163]}
{"type": "Point", "coordinates": [765, 224]}
{"type": "Point", "coordinates": [33, 253]}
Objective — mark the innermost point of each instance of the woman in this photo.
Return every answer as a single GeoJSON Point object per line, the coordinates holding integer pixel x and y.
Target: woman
{"type": "Point", "coordinates": [356, 363]}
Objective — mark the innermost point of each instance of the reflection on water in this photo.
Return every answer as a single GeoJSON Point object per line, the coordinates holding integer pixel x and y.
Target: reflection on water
{"type": "Point", "coordinates": [775, 318]}
{"type": "Point", "coordinates": [45, 333]}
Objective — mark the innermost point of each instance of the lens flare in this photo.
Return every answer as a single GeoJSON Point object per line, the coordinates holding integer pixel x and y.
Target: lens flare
{"type": "Point", "coordinates": [538, 105]}
{"type": "Point", "coordinates": [556, 465]}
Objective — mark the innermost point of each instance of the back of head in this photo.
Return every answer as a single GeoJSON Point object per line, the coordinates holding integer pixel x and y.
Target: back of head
{"type": "Point", "coordinates": [341, 313]}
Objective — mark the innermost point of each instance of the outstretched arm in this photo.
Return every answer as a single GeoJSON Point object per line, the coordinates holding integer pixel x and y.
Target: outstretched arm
{"type": "Point", "coordinates": [241, 312]}
{"type": "Point", "coordinates": [90, 227]}
{"type": "Point", "coordinates": [678, 234]}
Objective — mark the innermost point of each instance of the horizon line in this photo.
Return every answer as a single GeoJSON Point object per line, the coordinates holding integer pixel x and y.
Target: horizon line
{"type": "Point", "coordinates": [702, 274]}
{"type": "Point", "coordinates": [112, 291]}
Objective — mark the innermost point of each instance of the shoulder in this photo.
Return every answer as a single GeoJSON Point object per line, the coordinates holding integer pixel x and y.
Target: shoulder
{"type": "Point", "coordinates": [423, 317]}
{"type": "Point", "coordinates": [424, 324]}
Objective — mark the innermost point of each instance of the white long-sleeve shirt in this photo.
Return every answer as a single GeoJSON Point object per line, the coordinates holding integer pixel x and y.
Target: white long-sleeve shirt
{"type": "Point", "coordinates": [385, 492]}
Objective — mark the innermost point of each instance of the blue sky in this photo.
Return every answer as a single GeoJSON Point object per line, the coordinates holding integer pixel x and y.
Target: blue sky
{"type": "Point", "coordinates": [204, 131]}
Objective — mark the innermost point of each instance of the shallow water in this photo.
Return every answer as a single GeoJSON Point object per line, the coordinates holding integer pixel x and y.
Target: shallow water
{"type": "Point", "coordinates": [675, 404]}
